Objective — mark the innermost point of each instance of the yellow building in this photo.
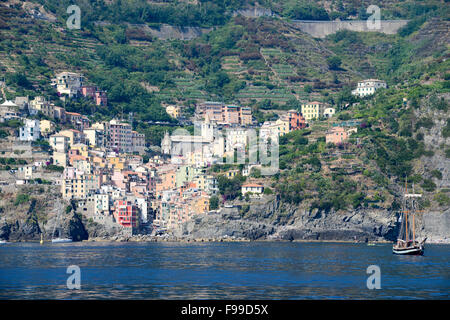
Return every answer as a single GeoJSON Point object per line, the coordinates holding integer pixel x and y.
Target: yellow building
{"type": "Point", "coordinates": [200, 205]}
{"type": "Point", "coordinates": [313, 110]}
{"type": "Point", "coordinates": [98, 161]}
{"type": "Point", "coordinates": [82, 149]}
{"type": "Point", "coordinates": [60, 159]}
{"type": "Point", "coordinates": [173, 111]}
{"type": "Point", "coordinates": [231, 174]}
{"type": "Point", "coordinates": [117, 162]}
{"type": "Point", "coordinates": [74, 136]}
{"type": "Point", "coordinates": [283, 126]}
{"type": "Point", "coordinates": [46, 127]}
{"type": "Point", "coordinates": [79, 186]}
{"type": "Point", "coordinates": [200, 182]}
{"type": "Point", "coordinates": [74, 188]}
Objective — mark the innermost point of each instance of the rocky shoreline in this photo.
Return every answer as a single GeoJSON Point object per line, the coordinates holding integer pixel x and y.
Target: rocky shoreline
{"type": "Point", "coordinates": [262, 220]}
{"type": "Point", "coordinates": [146, 238]}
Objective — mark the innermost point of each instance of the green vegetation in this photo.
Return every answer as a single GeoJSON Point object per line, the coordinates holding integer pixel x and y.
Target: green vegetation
{"type": "Point", "coordinates": [12, 161]}
{"type": "Point", "coordinates": [53, 167]}
{"type": "Point", "coordinates": [230, 189]}
{"type": "Point", "coordinates": [428, 185]}
{"type": "Point", "coordinates": [264, 63]}
{"type": "Point", "coordinates": [21, 198]}
{"type": "Point", "coordinates": [213, 203]}
{"type": "Point", "coordinates": [442, 199]}
{"type": "Point", "coordinates": [446, 129]}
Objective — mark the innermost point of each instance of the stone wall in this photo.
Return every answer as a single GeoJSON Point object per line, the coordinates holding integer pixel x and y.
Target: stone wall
{"type": "Point", "coordinates": [320, 29]}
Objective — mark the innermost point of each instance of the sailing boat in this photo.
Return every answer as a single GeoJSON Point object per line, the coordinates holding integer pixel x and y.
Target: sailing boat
{"type": "Point", "coordinates": [407, 244]}
{"type": "Point", "coordinates": [59, 239]}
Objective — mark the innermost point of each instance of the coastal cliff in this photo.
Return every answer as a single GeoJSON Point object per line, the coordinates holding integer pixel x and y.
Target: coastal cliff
{"type": "Point", "coordinates": [272, 220]}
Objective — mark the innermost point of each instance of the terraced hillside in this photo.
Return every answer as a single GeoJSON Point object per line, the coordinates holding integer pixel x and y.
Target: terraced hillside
{"type": "Point", "coordinates": [269, 64]}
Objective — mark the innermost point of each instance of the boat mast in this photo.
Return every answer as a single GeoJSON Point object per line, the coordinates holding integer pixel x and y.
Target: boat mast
{"type": "Point", "coordinates": [406, 211]}
{"type": "Point", "coordinates": [413, 210]}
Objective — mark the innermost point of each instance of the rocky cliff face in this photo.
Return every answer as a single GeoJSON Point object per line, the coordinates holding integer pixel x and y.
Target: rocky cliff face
{"type": "Point", "coordinates": [272, 219]}
{"type": "Point", "coordinates": [70, 227]}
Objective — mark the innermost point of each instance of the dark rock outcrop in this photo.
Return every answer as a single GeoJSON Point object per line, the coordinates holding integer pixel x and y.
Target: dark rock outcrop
{"type": "Point", "coordinates": [272, 219]}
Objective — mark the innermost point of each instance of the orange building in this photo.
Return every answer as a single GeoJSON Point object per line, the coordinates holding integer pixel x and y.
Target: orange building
{"type": "Point", "coordinates": [166, 178]}
{"type": "Point", "coordinates": [296, 120]}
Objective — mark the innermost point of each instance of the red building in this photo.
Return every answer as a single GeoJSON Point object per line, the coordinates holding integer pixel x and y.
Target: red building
{"type": "Point", "coordinates": [126, 214]}
{"type": "Point", "coordinates": [296, 120]}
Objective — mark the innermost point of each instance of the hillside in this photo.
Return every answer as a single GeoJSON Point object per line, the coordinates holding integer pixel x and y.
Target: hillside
{"type": "Point", "coordinates": [269, 64]}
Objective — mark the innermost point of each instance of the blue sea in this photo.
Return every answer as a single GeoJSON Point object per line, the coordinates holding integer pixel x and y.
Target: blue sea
{"type": "Point", "coordinates": [229, 270]}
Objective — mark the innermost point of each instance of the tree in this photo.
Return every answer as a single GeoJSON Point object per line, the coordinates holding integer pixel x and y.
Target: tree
{"type": "Point", "coordinates": [213, 203]}
{"type": "Point", "coordinates": [334, 62]}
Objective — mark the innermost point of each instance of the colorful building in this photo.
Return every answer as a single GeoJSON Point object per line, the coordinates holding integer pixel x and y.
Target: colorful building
{"type": "Point", "coordinates": [313, 110]}
{"type": "Point", "coordinates": [253, 188]}
{"type": "Point", "coordinates": [126, 214]}
{"type": "Point", "coordinates": [338, 135]}
{"type": "Point", "coordinates": [68, 83]}
{"type": "Point", "coordinates": [368, 87]}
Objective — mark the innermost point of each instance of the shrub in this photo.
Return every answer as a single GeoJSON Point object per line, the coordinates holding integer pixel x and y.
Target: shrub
{"type": "Point", "coordinates": [428, 185]}
{"type": "Point", "coordinates": [213, 203]}
{"type": "Point", "coordinates": [446, 129]}
{"type": "Point", "coordinates": [53, 167]}
{"type": "Point", "coordinates": [334, 62]}
{"type": "Point", "coordinates": [442, 199]}
{"type": "Point", "coordinates": [436, 174]}
{"type": "Point", "coordinates": [412, 26]}
{"type": "Point", "coordinates": [21, 198]}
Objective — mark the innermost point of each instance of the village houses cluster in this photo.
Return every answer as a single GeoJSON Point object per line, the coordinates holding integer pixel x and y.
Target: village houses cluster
{"type": "Point", "coordinates": [102, 163]}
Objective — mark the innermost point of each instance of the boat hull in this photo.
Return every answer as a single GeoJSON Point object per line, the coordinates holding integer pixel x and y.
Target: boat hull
{"type": "Point", "coordinates": [61, 240]}
{"type": "Point", "coordinates": [413, 251]}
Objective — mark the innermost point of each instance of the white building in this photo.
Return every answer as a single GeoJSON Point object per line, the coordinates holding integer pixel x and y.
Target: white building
{"type": "Point", "coordinates": [269, 129]}
{"type": "Point", "coordinates": [30, 131]}
{"type": "Point", "coordinates": [95, 137]}
{"type": "Point", "coordinates": [59, 143]}
{"type": "Point", "coordinates": [253, 188]}
{"type": "Point", "coordinates": [329, 112]}
{"type": "Point", "coordinates": [101, 203]}
{"type": "Point", "coordinates": [368, 87]}
{"type": "Point", "coordinates": [236, 138]}
{"type": "Point", "coordinates": [68, 83]}
{"type": "Point", "coordinates": [27, 172]}
{"type": "Point", "coordinates": [8, 111]}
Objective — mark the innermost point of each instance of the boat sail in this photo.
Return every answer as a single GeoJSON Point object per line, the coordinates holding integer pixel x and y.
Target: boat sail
{"type": "Point", "coordinates": [407, 244]}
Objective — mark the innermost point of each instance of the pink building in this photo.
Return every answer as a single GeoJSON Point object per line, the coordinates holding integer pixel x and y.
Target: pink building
{"type": "Point", "coordinates": [338, 135]}
{"type": "Point", "coordinates": [211, 109]}
{"type": "Point", "coordinates": [88, 91]}
{"type": "Point", "coordinates": [101, 98]}
{"type": "Point", "coordinates": [120, 137]}
{"type": "Point", "coordinates": [231, 114]}
{"type": "Point", "coordinates": [118, 180]}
